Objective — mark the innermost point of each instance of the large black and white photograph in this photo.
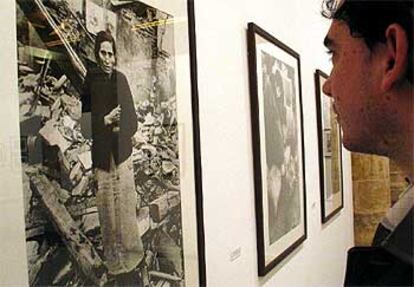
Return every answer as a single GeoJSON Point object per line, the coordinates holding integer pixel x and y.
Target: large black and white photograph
{"type": "Point", "coordinates": [108, 136]}
{"type": "Point", "coordinates": [330, 152]}
{"type": "Point", "coordinates": [277, 146]}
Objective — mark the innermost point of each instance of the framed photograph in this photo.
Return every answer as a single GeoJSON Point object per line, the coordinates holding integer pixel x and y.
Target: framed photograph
{"type": "Point", "coordinates": [277, 130]}
{"type": "Point", "coordinates": [330, 152]}
{"type": "Point", "coordinates": [327, 143]}
{"type": "Point", "coordinates": [110, 142]}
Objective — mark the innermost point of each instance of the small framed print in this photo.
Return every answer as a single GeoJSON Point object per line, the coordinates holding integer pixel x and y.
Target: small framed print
{"type": "Point", "coordinates": [330, 152]}
{"type": "Point", "coordinates": [327, 143]}
{"type": "Point", "coordinates": [277, 130]}
{"type": "Point", "coordinates": [111, 159]}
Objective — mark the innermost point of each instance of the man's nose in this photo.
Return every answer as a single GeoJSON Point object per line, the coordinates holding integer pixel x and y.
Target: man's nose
{"type": "Point", "coordinates": [327, 87]}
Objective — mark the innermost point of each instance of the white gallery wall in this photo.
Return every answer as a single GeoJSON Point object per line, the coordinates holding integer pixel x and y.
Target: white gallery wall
{"type": "Point", "coordinates": [12, 235]}
{"type": "Point", "coordinates": [226, 146]}
{"type": "Point", "coordinates": [227, 160]}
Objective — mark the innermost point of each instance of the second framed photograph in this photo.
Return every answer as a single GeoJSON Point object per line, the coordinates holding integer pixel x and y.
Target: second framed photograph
{"type": "Point", "coordinates": [277, 130]}
{"type": "Point", "coordinates": [330, 152]}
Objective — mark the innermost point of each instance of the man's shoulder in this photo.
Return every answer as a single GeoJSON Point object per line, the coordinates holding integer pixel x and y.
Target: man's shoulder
{"type": "Point", "coordinates": [400, 241]}
{"type": "Point", "coordinates": [395, 232]}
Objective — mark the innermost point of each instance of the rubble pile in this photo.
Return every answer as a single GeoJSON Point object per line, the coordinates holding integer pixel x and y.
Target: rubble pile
{"type": "Point", "coordinates": [52, 101]}
{"type": "Point", "coordinates": [69, 23]}
{"type": "Point", "coordinates": [156, 165]}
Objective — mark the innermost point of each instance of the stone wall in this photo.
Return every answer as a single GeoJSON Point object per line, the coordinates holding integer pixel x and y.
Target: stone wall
{"type": "Point", "coordinates": [397, 181]}
{"type": "Point", "coordinates": [371, 195]}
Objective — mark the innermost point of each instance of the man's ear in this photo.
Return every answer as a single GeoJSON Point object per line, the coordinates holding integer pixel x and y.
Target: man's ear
{"type": "Point", "coordinates": [396, 56]}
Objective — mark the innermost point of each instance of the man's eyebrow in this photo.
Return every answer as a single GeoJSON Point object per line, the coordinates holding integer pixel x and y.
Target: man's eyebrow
{"type": "Point", "coordinates": [328, 42]}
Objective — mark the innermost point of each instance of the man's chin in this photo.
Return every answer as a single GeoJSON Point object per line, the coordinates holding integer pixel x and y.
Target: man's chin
{"type": "Point", "coordinates": [352, 144]}
{"type": "Point", "coordinates": [360, 146]}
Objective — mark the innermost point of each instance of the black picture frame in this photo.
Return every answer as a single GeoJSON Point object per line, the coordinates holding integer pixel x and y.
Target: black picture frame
{"type": "Point", "coordinates": [330, 153]}
{"type": "Point", "coordinates": [278, 159]}
{"type": "Point", "coordinates": [48, 22]}
{"type": "Point", "coordinates": [197, 145]}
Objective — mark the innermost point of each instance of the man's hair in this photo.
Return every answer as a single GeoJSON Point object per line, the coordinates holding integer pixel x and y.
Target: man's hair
{"type": "Point", "coordinates": [101, 37]}
{"type": "Point", "coordinates": [369, 19]}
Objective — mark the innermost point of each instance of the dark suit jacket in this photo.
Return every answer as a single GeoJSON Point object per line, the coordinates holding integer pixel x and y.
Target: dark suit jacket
{"type": "Point", "coordinates": [101, 94]}
{"type": "Point", "coordinates": [388, 263]}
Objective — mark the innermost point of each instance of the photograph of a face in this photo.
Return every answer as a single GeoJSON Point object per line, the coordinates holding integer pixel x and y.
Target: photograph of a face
{"type": "Point", "coordinates": [104, 185]}
{"type": "Point", "coordinates": [278, 147]}
{"type": "Point", "coordinates": [330, 152]}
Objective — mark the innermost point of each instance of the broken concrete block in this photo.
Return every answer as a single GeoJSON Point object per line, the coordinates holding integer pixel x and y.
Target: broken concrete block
{"type": "Point", "coordinates": [76, 173]}
{"type": "Point", "coordinates": [73, 153]}
{"type": "Point", "coordinates": [143, 220]}
{"type": "Point", "coordinates": [90, 222]}
{"type": "Point", "coordinates": [167, 167]}
{"type": "Point", "coordinates": [81, 187]}
{"type": "Point", "coordinates": [26, 98]}
{"type": "Point", "coordinates": [86, 159]}
{"type": "Point", "coordinates": [72, 106]}
{"type": "Point", "coordinates": [43, 111]}
{"type": "Point", "coordinates": [52, 136]}
{"type": "Point", "coordinates": [160, 207]}
{"type": "Point", "coordinates": [158, 131]}
{"type": "Point", "coordinates": [30, 81]}
{"type": "Point", "coordinates": [59, 84]}
{"type": "Point", "coordinates": [68, 122]}
{"type": "Point", "coordinates": [32, 249]}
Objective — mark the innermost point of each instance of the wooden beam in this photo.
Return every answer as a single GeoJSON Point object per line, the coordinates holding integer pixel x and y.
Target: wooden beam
{"type": "Point", "coordinates": [78, 245]}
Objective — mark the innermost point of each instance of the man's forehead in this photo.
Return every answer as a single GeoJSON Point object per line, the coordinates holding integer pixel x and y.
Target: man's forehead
{"type": "Point", "coordinates": [337, 29]}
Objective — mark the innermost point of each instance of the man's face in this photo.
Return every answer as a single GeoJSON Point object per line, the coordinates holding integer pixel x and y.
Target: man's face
{"type": "Point", "coordinates": [106, 57]}
{"type": "Point", "coordinates": [354, 85]}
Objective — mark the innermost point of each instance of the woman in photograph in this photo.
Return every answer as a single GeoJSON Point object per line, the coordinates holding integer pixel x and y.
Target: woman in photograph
{"type": "Point", "coordinates": [114, 122]}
